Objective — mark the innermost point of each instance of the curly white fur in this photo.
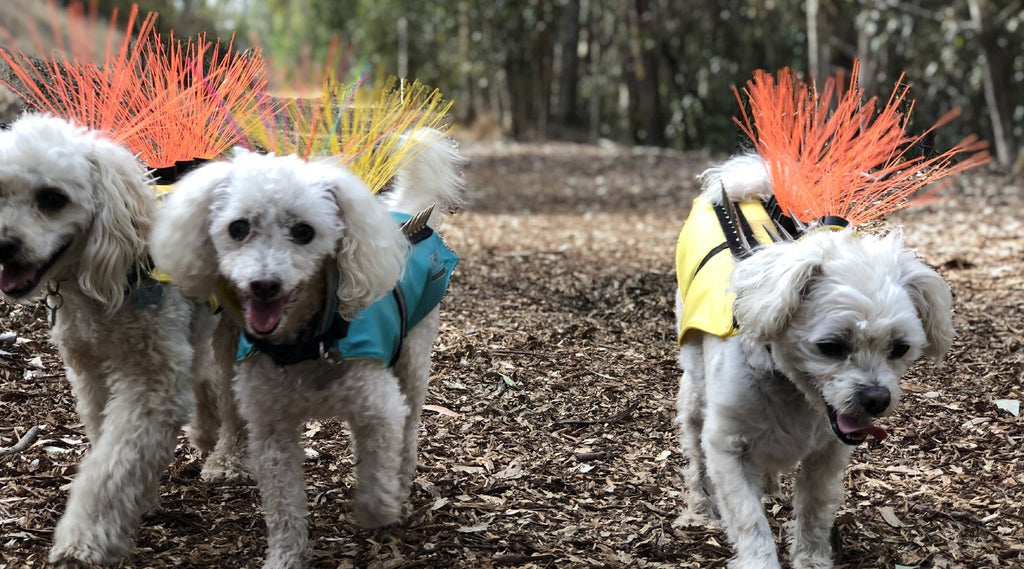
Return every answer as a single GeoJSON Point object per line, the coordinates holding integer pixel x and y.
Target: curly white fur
{"type": "Point", "coordinates": [827, 325]}
{"type": "Point", "coordinates": [268, 227]}
{"type": "Point", "coordinates": [75, 210]}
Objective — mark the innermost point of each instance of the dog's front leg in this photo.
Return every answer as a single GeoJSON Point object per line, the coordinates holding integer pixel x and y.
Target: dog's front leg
{"type": "Point", "coordinates": [818, 491]}
{"type": "Point", "coordinates": [119, 479]}
{"type": "Point", "coordinates": [378, 434]}
{"type": "Point", "coordinates": [738, 495]}
{"type": "Point", "coordinates": [277, 464]}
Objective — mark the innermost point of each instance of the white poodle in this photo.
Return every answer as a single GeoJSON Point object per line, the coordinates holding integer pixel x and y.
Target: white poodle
{"type": "Point", "coordinates": [329, 291]}
{"type": "Point", "coordinates": [75, 212]}
{"type": "Point", "coordinates": [824, 326]}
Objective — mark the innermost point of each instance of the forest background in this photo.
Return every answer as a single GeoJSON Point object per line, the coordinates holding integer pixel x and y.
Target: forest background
{"type": "Point", "coordinates": [651, 72]}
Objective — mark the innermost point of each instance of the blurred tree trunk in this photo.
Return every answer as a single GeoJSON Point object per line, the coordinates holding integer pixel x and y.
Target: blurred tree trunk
{"type": "Point", "coordinates": [997, 85]}
{"type": "Point", "coordinates": [568, 88]}
{"type": "Point", "coordinates": [815, 62]}
{"type": "Point", "coordinates": [648, 125]}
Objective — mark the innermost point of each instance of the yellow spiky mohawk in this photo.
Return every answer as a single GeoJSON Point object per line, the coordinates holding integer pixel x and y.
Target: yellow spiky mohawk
{"type": "Point", "coordinates": [837, 155]}
{"type": "Point", "coordinates": [362, 128]}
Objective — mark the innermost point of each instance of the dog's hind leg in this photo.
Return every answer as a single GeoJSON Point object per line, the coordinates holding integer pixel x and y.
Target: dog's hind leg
{"type": "Point", "coordinates": [91, 394]}
{"type": "Point", "coordinates": [690, 422]}
{"type": "Point", "coordinates": [119, 479]}
{"type": "Point", "coordinates": [229, 460]}
{"type": "Point", "coordinates": [413, 372]}
{"type": "Point", "coordinates": [817, 494]}
{"type": "Point", "coordinates": [202, 431]}
{"type": "Point", "coordinates": [378, 431]}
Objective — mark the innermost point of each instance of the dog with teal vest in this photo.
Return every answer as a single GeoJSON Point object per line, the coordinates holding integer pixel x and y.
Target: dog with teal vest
{"type": "Point", "coordinates": [335, 292]}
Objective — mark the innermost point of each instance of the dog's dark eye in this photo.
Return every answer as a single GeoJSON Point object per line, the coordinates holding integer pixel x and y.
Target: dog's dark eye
{"type": "Point", "coordinates": [239, 229]}
{"type": "Point", "coordinates": [50, 200]}
{"type": "Point", "coordinates": [302, 233]}
{"type": "Point", "coordinates": [833, 349]}
{"type": "Point", "coordinates": [898, 350]}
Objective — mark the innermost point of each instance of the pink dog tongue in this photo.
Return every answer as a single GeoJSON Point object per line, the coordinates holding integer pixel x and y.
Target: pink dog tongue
{"type": "Point", "coordinates": [264, 316]}
{"type": "Point", "coordinates": [852, 425]}
{"type": "Point", "coordinates": [14, 276]}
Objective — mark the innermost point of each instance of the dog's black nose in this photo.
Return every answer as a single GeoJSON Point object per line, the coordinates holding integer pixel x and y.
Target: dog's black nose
{"type": "Point", "coordinates": [10, 245]}
{"type": "Point", "coordinates": [875, 400]}
{"type": "Point", "coordinates": [265, 289]}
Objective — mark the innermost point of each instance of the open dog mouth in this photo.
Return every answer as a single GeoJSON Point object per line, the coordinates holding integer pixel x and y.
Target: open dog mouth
{"type": "Point", "coordinates": [854, 430]}
{"type": "Point", "coordinates": [263, 316]}
{"type": "Point", "coordinates": [19, 279]}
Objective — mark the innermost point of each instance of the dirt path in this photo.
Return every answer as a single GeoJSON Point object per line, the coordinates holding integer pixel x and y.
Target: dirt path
{"type": "Point", "coordinates": [549, 440]}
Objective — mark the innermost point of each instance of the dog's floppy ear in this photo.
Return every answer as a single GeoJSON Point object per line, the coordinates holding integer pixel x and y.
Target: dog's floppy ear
{"type": "Point", "coordinates": [125, 206]}
{"type": "Point", "coordinates": [931, 297]}
{"type": "Point", "coordinates": [769, 286]}
{"type": "Point", "coordinates": [181, 243]}
{"type": "Point", "coordinates": [371, 250]}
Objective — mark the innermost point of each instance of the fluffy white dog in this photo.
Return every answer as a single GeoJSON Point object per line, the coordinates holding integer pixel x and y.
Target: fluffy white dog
{"type": "Point", "coordinates": [75, 212]}
{"type": "Point", "coordinates": [301, 253]}
{"type": "Point", "coordinates": [824, 326]}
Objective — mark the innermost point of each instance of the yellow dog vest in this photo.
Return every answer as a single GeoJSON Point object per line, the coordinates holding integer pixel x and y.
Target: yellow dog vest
{"type": "Point", "coordinates": [704, 264]}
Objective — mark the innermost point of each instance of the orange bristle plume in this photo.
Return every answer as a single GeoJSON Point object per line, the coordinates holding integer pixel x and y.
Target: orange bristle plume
{"type": "Point", "coordinates": [836, 155]}
{"type": "Point", "coordinates": [87, 93]}
{"type": "Point", "coordinates": [168, 103]}
{"type": "Point", "coordinates": [202, 88]}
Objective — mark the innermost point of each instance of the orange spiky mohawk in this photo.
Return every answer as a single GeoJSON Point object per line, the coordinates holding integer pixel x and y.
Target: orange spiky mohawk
{"type": "Point", "coordinates": [88, 93]}
{"type": "Point", "coordinates": [832, 155]}
{"type": "Point", "coordinates": [168, 103]}
{"type": "Point", "coordinates": [201, 88]}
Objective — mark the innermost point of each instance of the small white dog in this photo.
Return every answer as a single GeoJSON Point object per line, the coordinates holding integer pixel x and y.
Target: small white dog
{"type": "Point", "coordinates": [302, 254]}
{"type": "Point", "coordinates": [75, 212]}
{"type": "Point", "coordinates": [824, 327]}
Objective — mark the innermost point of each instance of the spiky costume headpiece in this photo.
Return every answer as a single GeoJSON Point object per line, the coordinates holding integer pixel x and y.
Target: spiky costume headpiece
{"type": "Point", "coordinates": [832, 160]}
{"type": "Point", "coordinates": [831, 154]}
{"type": "Point", "coordinates": [170, 102]}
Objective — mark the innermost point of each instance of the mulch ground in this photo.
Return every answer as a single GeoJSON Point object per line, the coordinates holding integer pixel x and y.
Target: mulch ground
{"type": "Point", "coordinates": [548, 441]}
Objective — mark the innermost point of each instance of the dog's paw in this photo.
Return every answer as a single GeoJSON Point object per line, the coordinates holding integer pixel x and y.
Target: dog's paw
{"type": "Point", "coordinates": [151, 504]}
{"type": "Point", "coordinates": [807, 556]}
{"type": "Point", "coordinates": [812, 562]}
{"type": "Point", "coordinates": [201, 437]}
{"type": "Point", "coordinates": [376, 511]}
{"type": "Point", "coordinates": [280, 560]}
{"type": "Point", "coordinates": [71, 554]}
{"type": "Point", "coordinates": [695, 519]}
{"type": "Point", "coordinates": [224, 468]}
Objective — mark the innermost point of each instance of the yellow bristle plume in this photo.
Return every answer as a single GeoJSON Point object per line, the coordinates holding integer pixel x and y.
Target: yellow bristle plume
{"type": "Point", "coordinates": [831, 154]}
{"type": "Point", "coordinates": [363, 131]}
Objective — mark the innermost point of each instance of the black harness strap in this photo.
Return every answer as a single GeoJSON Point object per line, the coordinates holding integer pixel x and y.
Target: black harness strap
{"type": "Point", "coordinates": [733, 223]}
{"type": "Point", "coordinates": [310, 345]}
{"type": "Point", "coordinates": [403, 318]}
{"type": "Point", "coordinates": [171, 174]}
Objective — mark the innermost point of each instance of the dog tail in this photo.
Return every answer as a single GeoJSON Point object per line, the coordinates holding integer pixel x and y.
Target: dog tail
{"type": "Point", "coordinates": [433, 177]}
{"type": "Point", "coordinates": [743, 177]}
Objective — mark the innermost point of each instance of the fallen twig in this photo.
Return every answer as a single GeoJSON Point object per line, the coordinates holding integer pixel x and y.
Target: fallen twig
{"type": "Point", "coordinates": [23, 443]}
{"type": "Point", "coordinates": [620, 416]}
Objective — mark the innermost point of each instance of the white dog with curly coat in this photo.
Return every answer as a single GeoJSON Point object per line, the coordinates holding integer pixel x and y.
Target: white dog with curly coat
{"type": "Point", "coordinates": [75, 213]}
{"type": "Point", "coordinates": [316, 269]}
{"type": "Point", "coordinates": [823, 328]}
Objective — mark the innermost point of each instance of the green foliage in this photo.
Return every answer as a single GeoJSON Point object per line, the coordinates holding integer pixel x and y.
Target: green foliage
{"type": "Point", "coordinates": [595, 68]}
